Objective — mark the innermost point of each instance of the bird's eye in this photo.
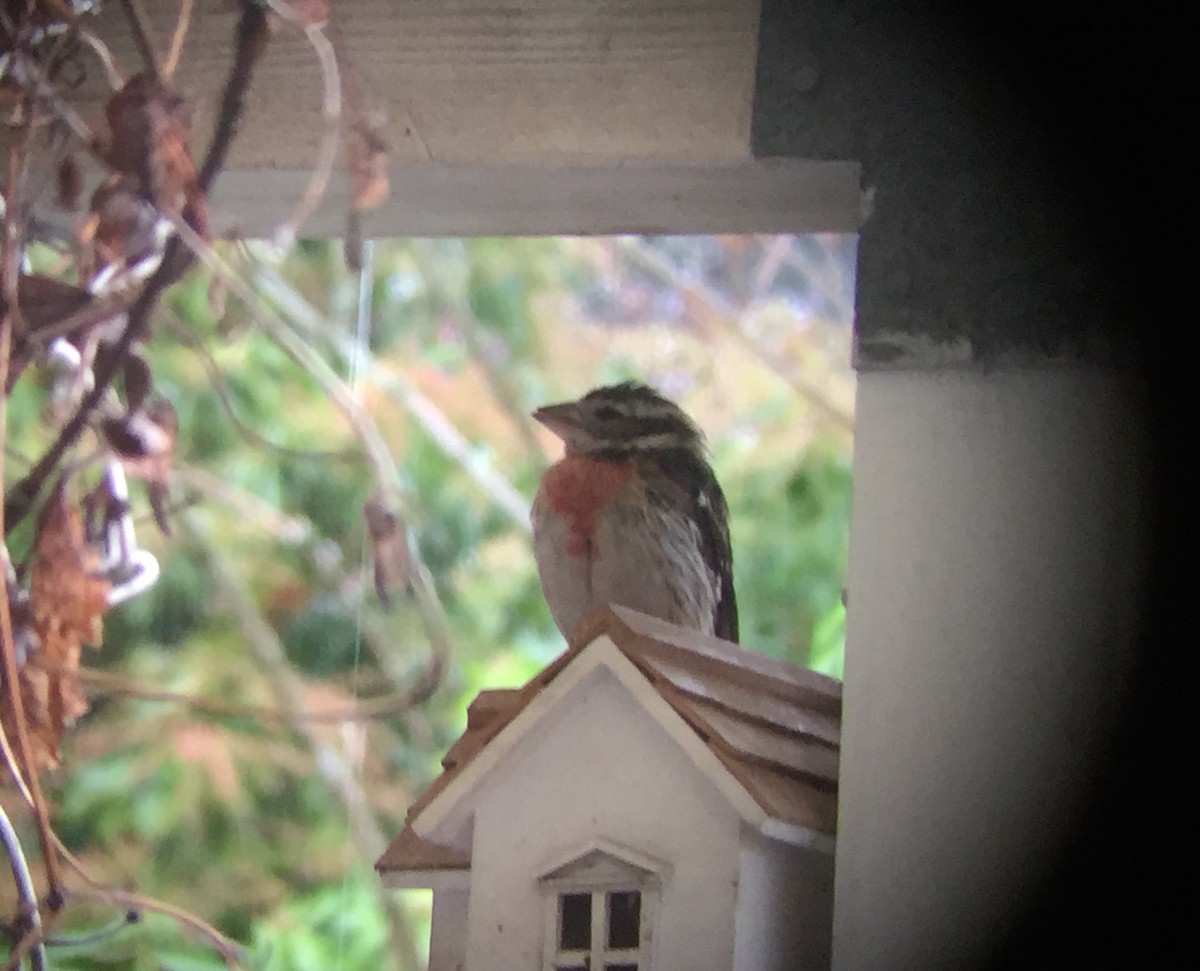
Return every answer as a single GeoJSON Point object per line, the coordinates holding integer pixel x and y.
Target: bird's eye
{"type": "Point", "coordinates": [607, 413]}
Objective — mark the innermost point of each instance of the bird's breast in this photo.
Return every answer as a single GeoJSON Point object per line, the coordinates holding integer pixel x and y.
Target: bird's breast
{"type": "Point", "coordinates": [579, 489]}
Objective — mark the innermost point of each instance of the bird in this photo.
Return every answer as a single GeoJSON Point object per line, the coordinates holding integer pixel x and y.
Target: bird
{"type": "Point", "coordinates": [632, 514]}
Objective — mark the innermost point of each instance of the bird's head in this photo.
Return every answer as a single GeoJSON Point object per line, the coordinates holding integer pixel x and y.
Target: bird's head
{"type": "Point", "coordinates": [620, 421]}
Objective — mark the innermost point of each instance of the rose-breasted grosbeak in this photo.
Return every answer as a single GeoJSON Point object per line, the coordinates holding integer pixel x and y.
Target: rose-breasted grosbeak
{"type": "Point", "coordinates": [632, 515]}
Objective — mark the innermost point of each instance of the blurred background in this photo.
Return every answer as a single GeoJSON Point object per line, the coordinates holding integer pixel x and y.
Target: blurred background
{"type": "Point", "coordinates": [260, 719]}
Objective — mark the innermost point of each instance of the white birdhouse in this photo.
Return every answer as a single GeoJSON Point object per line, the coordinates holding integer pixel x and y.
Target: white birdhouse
{"type": "Point", "coordinates": [653, 800]}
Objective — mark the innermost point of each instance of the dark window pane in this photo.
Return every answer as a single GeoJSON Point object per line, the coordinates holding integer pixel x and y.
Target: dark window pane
{"type": "Point", "coordinates": [624, 919]}
{"type": "Point", "coordinates": [574, 921]}
{"type": "Point", "coordinates": [620, 967]}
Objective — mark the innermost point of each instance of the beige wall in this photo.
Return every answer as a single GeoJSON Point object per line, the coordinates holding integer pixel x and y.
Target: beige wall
{"type": "Point", "coordinates": [994, 577]}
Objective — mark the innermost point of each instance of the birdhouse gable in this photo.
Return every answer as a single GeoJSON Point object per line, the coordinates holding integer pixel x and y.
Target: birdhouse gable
{"type": "Point", "coordinates": [763, 732]}
{"type": "Point", "coordinates": [604, 864]}
{"type": "Point", "coordinates": [452, 805]}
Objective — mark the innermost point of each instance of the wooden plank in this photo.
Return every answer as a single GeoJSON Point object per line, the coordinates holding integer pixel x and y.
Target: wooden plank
{"type": "Point", "coordinates": [771, 196]}
{"type": "Point", "coordinates": [748, 740]}
{"type": "Point", "coordinates": [745, 701]}
{"type": "Point", "coordinates": [483, 80]}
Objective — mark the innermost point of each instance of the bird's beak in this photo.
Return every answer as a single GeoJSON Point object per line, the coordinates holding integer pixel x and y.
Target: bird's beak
{"type": "Point", "coordinates": [560, 419]}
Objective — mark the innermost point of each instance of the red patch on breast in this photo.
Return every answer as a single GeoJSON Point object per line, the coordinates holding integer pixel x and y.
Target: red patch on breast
{"type": "Point", "coordinates": [579, 488]}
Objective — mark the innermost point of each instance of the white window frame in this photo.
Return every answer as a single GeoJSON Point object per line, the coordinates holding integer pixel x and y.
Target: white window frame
{"type": "Point", "coordinates": [624, 871]}
{"type": "Point", "coordinates": [599, 955]}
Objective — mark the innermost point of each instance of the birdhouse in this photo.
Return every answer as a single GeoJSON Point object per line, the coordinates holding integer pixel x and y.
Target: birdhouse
{"type": "Point", "coordinates": [654, 799]}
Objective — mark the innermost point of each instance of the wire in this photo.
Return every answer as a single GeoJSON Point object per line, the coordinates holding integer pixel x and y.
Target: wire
{"type": "Point", "coordinates": [353, 743]}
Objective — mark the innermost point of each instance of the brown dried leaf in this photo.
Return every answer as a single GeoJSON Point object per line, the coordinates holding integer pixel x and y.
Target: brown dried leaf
{"type": "Point", "coordinates": [148, 130]}
{"type": "Point", "coordinates": [389, 548]}
{"type": "Point", "coordinates": [368, 158]}
{"type": "Point", "coordinates": [68, 602]}
{"type": "Point", "coordinates": [32, 684]}
{"type": "Point", "coordinates": [43, 741]}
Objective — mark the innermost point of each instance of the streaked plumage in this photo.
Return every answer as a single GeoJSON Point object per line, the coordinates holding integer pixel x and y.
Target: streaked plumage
{"type": "Point", "coordinates": [633, 514]}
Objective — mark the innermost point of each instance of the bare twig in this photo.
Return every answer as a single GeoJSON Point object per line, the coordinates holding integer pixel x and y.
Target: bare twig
{"type": "Point", "coordinates": [249, 507]}
{"type": "Point", "coordinates": [375, 450]}
{"type": "Point", "coordinates": [250, 40]}
{"type": "Point", "coordinates": [265, 644]}
{"type": "Point", "coordinates": [112, 73]}
{"type": "Point", "coordinates": [30, 916]}
{"type": "Point", "coordinates": [726, 315]}
{"type": "Point", "coordinates": [32, 941]}
{"type": "Point", "coordinates": [221, 387]}
{"type": "Point", "coordinates": [432, 421]}
{"type": "Point", "coordinates": [111, 929]}
{"type": "Point", "coordinates": [182, 21]}
{"type": "Point", "coordinates": [27, 73]}
{"type": "Point", "coordinates": [9, 267]}
{"type": "Point", "coordinates": [129, 901]}
{"type": "Point", "coordinates": [318, 181]}
{"type": "Point", "coordinates": [142, 36]}
{"type": "Point", "coordinates": [364, 709]}
{"type": "Point", "coordinates": [176, 260]}
{"type": "Point", "coordinates": [230, 952]}
{"type": "Point", "coordinates": [498, 383]}
{"type": "Point", "coordinates": [777, 249]}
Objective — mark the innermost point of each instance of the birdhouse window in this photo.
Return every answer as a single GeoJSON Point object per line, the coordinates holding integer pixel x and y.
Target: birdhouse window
{"type": "Point", "coordinates": [600, 911]}
{"type": "Point", "coordinates": [600, 929]}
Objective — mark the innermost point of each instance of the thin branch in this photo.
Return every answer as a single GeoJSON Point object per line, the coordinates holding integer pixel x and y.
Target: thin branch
{"type": "Point", "coordinates": [230, 952]}
{"type": "Point", "coordinates": [140, 25]}
{"type": "Point", "coordinates": [434, 423]}
{"type": "Point", "coordinates": [176, 260]}
{"type": "Point", "coordinates": [221, 388]}
{"type": "Point", "coordinates": [473, 333]}
{"type": "Point", "coordinates": [318, 181]}
{"type": "Point", "coordinates": [777, 249]}
{"type": "Point", "coordinates": [33, 81]}
{"type": "Point", "coordinates": [112, 73]}
{"type": "Point", "coordinates": [250, 40]}
{"type": "Point", "coordinates": [830, 278]}
{"type": "Point", "coordinates": [726, 315]}
{"type": "Point", "coordinates": [30, 915]}
{"type": "Point", "coordinates": [375, 450]}
{"type": "Point", "coordinates": [32, 941]}
{"type": "Point", "coordinates": [249, 507]}
{"type": "Point", "coordinates": [267, 648]}
{"type": "Point", "coordinates": [364, 709]}
{"type": "Point", "coordinates": [9, 267]}
{"type": "Point", "coordinates": [103, 933]}
{"type": "Point", "coordinates": [182, 22]}
{"type": "Point", "coordinates": [129, 901]}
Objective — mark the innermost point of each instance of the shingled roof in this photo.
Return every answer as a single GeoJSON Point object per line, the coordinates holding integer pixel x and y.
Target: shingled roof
{"type": "Point", "coordinates": [774, 726]}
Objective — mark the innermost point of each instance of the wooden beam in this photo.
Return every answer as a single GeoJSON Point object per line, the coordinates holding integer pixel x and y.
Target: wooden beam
{"type": "Point", "coordinates": [482, 81]}
{"type": "Point", "coordinates": [775, 196]}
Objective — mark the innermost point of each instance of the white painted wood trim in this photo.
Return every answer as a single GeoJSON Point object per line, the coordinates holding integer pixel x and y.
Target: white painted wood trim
{"type": "Point", "coordinates": [539, 199]}
{"type": "Point", "coordinates": [426, 879]}
{"type": "Point", "coordinates": [801, 836]}
{"type": "Point", "coordinates": [652, 865]}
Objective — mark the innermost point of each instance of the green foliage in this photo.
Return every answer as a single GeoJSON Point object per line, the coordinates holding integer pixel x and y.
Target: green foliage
{"type": "Point", "coordinates": [790, 565]}
{"type": "Point", "coordinates": [227, 812]}
{"type": "Point", "coordinates": [323, 639]}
